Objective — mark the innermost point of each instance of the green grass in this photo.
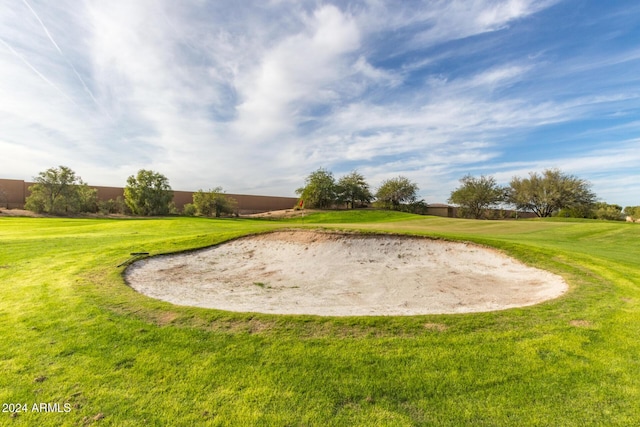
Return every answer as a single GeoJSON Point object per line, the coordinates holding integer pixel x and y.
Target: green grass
{"type": "Point", "coordinates": [72, 332]}
{"type": "Point", "coordinates": [351, 216]}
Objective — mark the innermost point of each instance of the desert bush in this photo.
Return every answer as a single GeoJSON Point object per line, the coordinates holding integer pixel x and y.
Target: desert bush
{"type": "Point", "coordinates": [189, 209]}
{"type": "Point", "coordinates": [320, 190]}
{"type": "Point", "coordinates": [148, 193]}
{"type": "Point", "coordinates": [214, 203]}
{"type": "Point", "coordinates": [61, 191]}
{"type": "Point", "coordinates": [609, 212]}
{"type": "Point", "coordinates": [551, 192]}
{"type": "Point", "coordinates": [476, 195]}
{"type": "Point", "coordinates": [395, 192]}
{"type": "Point", "coordinates": [112, 206]}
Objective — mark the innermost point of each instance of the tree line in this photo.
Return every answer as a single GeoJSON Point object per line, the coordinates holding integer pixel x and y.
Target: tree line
{"type": "Point", "coordinates": [61, 191]}
{"type": "Point", "coordinates": [148, 193]}
{"type": "Point", "coordinates": [321, 190]}
{"type": "Point", "coordinates": [551, 192]}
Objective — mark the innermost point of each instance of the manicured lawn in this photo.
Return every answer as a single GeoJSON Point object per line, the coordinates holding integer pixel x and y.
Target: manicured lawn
{"type": "Point", "coordinates": [72, 332]}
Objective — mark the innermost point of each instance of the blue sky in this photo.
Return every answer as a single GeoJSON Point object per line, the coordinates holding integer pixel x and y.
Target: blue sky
{"type": "Point", "coordinates": [254, 95]}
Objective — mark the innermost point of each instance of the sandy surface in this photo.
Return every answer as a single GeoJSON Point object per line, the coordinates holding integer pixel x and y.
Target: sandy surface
{"type": "Point", "coordinates": [285, 213]}
{"type": "Point", "coordinates": [305, 272]}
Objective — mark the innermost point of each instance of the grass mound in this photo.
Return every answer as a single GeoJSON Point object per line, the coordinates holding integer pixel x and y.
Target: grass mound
{"type": "Point", "coordinates": [353, 217]}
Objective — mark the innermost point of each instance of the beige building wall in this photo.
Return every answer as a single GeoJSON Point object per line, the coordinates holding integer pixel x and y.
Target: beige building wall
{"type": "Point", "coordinates": [13, 194]}
{"type": "Point", "coordinates": [247, 204]}
{"type": "Point", "coordinates": [109, 193]}
{"type": "Point", "coordinates": [442, 210]}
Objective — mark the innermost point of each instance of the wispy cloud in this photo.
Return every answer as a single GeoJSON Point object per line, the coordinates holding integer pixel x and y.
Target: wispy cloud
{"type": "Point", "coordinates": [35, 70]}
{"type": "Point", "coordinates": [255, 95]}
{"type": "Point", "coordinates": [84, 85]}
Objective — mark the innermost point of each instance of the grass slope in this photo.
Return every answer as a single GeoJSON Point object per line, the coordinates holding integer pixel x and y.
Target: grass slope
{"type": "Point", "coordinates": [351, 216]}
{"type": "Point", "coordinates": [71, 332]}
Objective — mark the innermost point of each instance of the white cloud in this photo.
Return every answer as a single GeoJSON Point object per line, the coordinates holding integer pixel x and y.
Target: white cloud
{"type": "Point", "coordinates": [499, 76]}
{"type": "Point", "coordinates": [303, 68]}
{"type": "Point", "coordinates": [254, 95]}
{"type": "Point", "coordinates": [457, 19]}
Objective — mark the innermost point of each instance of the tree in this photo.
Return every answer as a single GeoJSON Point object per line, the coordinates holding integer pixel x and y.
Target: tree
{"type": "Point", "coordinates": [213, 202]}
{"type": "Point", "coordinates": [148, 193]}
{"type": "Point", "coordinates": [604, 210]}
{"type": "Point", "coordinates": [353, 188]}
{"type": "Point", "coordinates": [476, 195]}
{"type": "Point", "coordinates": [395, 191]}
{"type": "Point", "coordinates": [86, 198]}
{"type": "Point", "coordinates": [60, 190]}
{"type": "Point", "coordinates": [319, 190]}
{"type": "Point", "coordinates": [632, 211]}
{"type": "Point", "coordinates": [550, 192]}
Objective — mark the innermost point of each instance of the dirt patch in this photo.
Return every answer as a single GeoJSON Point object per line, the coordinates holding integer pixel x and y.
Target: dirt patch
{"type": "Point", "coordinates": [581, 323]}
{"type": "Point", "coordinates": [284, 213]}
{"type": "Point", "coordinates": [24, 213]}
{"type": "Point", "coordinates": [18, 212]}
{"type": "Point", "coordinates": [435, 327]}
{"type": "Point", "coordinates": [333, 274]}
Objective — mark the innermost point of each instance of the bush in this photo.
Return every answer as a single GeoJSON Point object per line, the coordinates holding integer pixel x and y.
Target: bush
{"type": "Point", "coordinates": [418, 207]}
{"type": "Point", "coordinates": [632, 211]}
{"type": "Point", "coordinates": [608, 212]}
{"type": "Point", "coordinates": [214, 202]}
{"type": "Point", "coordinates": [111, 206]}
{"type": "Point", "coordinates": [189, 209]}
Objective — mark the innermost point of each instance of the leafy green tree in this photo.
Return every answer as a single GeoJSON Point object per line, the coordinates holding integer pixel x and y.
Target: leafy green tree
{"type": "Point", "coordinates": [632, 211]}
{"type": "Point", "coordinates": [213, 202]}
{"type": "Point", "coordinates": [584, 211]}
{"type": "Point", "coordinates": [550, 192]}
{"type": "Point", "coordinates": [394, 192]}
{"type": "Point", "coordinates": [148, 193]}
{"type": "Point", "coordinates": [203, 203]}
{"type": "Point", "coordinates": [606, 211]}
{"type": "Point", "coordinates": [85, 198]}
{"type": "Point", "coordinates": [476, 195]}
{"type": "Point", "coordinates": [352, 189]}
{"type": "Point", "coordinates": [60, 190]}
{"type": "Point", "coordinates": [319, 190]}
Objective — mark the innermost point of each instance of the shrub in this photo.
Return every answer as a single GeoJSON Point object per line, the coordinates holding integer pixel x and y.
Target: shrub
{"type": "Point", "coordinates": [189, 209]}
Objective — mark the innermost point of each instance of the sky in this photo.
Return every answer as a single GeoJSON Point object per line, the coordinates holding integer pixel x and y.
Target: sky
{"type": "Point", "coordinates": [253, 96]}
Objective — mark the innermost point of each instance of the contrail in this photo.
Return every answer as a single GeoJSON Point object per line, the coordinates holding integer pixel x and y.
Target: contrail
{"type": "Point", "coordinates": [86, 88]}
{"type": "Point", "coordinates": [28, 64]}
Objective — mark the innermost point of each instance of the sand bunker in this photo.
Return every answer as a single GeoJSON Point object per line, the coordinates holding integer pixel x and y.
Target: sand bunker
{"type": "Point", "coordinates": [331, 274]}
